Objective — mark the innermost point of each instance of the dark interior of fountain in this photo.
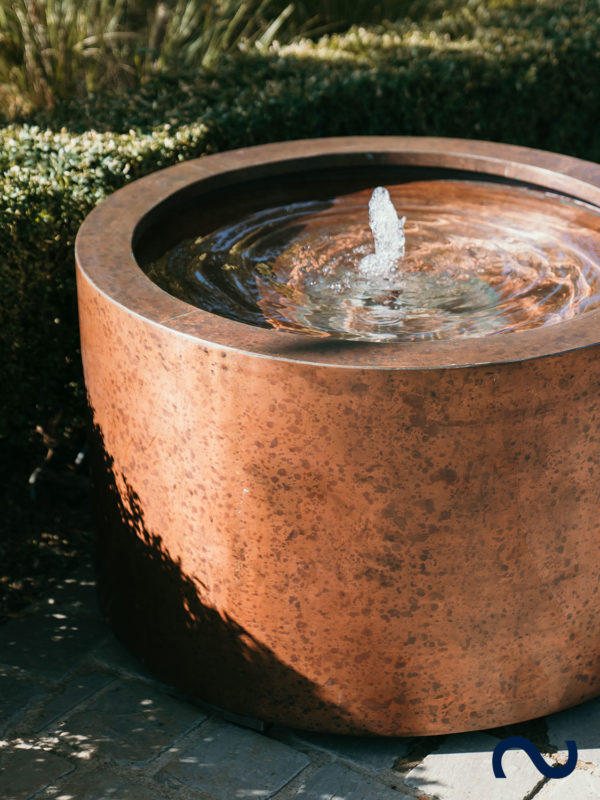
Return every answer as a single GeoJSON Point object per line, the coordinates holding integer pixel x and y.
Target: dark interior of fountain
{"type": "Point", "coordinates": [201, 207]}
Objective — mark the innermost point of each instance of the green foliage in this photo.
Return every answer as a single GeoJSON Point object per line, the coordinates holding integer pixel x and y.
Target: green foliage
{"type": "Point", "coordinates": [194, 33]}
{"type": "Point", "coordinates": [51, 50]}
{"type": "Point", "coordinates": [527, 73]}
{"type": "Point", "coordinates": [339, 15]}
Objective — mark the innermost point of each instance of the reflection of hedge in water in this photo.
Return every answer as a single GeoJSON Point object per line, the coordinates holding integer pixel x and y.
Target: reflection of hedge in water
{"type": "Point", "coordinates": [528, 75]}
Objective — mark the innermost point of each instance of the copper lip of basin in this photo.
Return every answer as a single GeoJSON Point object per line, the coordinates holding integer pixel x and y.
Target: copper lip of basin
{"type": "Point", "coordinates": [391, 539]}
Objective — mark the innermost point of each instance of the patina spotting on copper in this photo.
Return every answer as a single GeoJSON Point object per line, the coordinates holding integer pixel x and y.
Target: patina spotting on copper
{"type": "Point", "coordinates": [345, 538]}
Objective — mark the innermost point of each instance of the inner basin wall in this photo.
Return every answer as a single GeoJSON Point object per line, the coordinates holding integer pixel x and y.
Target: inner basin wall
{"type": "Point", "coordinates": [386, 551]}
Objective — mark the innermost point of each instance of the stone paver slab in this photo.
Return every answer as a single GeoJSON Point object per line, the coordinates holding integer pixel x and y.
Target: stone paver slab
{"type": "Point", "coordinates": [582, 725]}
{"type": "Point", "coordinates": [367, 752]}
{"type": "Point", "coordinates": [100, 786]}
{"type": "Point", "coordinates": [17, 692]}
{"type": "Point", "coordinates": [49, 644]}
{"type": "Point", "coordinates": [336, 782]}
{"type": "Point", "coordinates": [76, 691]}
{"type": "Point", "coordinates": [461, 769]}
{"type": "Point", "coordinates": [25, 771]}
{"type": "Point", "coordinates": [230, 762]}
{"type": "Point", "coordinates": [579, 785]}
{"type": "Point", "coordinates": [130, 723]}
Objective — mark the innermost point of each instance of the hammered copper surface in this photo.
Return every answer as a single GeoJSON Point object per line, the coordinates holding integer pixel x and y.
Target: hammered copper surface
{"type": "Point", "coordinates": [391, 539]}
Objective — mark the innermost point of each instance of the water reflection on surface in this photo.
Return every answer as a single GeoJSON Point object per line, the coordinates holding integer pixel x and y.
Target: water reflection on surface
{"type": "Point", "coordinates": [480, 259]}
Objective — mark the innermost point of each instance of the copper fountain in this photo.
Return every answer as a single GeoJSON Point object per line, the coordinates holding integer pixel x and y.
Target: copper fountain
{"type": "Point", "coordinates": [397, 538]}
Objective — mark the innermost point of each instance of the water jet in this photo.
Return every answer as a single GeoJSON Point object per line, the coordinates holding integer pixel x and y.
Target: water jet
{"type": "Point", "coordinates": [381, 518]}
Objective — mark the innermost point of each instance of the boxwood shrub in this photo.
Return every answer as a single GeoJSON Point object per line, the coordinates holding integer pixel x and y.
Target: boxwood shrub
{"type": "Point", "coordinates": [526, 73]}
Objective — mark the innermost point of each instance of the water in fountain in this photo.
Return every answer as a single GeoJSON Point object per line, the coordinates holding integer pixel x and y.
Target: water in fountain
{"type": "Point", "coordinates": [476, 259]}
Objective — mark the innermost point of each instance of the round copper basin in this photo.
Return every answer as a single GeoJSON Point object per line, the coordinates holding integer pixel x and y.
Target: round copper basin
{"type": "Point", "coordinates": [350, 537]}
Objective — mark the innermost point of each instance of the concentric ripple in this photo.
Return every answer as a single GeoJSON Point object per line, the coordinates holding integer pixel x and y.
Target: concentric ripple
{"type": "Point", "coordinates": [480, 259]}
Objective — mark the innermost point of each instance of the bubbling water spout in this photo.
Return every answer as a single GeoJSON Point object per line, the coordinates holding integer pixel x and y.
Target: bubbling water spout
{"type": "Point", "coordinates": [388, 235]}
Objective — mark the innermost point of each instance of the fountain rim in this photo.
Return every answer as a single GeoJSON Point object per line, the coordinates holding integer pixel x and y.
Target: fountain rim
{"type": "Point", "coordinates": [104, 248]}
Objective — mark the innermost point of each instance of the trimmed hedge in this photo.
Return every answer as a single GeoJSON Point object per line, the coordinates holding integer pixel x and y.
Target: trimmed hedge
{"type": "Point", "coordinates": [526, 73]}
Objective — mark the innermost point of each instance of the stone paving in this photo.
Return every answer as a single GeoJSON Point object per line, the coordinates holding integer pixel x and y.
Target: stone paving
{"type": "Point", "coordinates": [80, 719]}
